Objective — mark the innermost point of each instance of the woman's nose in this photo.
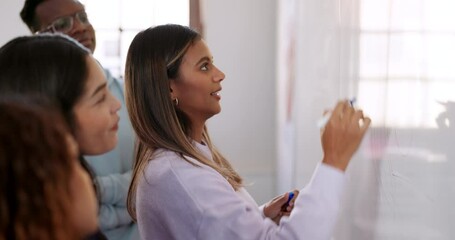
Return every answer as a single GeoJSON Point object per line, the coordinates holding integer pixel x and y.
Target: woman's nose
{"type": "Point", "coordinates": [220, 75]}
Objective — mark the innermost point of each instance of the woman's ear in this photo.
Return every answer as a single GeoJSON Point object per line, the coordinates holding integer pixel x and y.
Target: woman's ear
{"type": "Point", "coordinates": [172, 88]}
{"type": "Point", "coordinates": [171, 93]}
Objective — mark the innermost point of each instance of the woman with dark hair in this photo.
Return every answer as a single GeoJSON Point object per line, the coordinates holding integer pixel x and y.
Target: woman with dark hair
{"type": "Point", "coordinates": [45, 194]}
{"type": "Point", "coordinates": [62, 70]}
{"type": "Point", "coordinates": [182, 187]}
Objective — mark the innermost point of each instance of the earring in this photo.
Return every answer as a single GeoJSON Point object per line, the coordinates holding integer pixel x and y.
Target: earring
{"type": "Point", "coordinates": [176, 101]}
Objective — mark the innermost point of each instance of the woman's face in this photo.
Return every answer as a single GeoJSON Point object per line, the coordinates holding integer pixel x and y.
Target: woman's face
{"type": "Point", "coordinates": [198, 84]}
{"type": "Point", "coordinates": [84, 203]}
{"type": "Point", "coordinates": [95, 113]}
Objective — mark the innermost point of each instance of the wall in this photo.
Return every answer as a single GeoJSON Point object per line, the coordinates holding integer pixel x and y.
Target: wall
{"type": "Point", "coordinates": [11, 25]}
{"type": "Point", "coordinates": [241, 36]}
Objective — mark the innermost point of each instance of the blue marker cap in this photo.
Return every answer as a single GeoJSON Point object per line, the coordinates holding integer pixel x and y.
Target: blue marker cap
{"type": "Point", "coordinates": [291, 196]}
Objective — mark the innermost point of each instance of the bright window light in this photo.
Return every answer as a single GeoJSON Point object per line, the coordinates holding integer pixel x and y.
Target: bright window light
{"type": "Point", "coordinates": [117, 24]}
{"type": "Point", "coordinates": [407, 57]}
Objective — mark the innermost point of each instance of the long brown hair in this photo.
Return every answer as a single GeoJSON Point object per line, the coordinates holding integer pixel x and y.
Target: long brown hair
{"type": "Point", "coordinates": [50, 65]}
{"type": "Point", "coordinates": [36, 166]}
{"type": "Point", "coordinates": [154, 57]}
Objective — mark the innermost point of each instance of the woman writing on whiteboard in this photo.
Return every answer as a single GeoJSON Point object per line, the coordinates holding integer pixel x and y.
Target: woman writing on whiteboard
{"type": "Point", "coordinates": [183, 188]}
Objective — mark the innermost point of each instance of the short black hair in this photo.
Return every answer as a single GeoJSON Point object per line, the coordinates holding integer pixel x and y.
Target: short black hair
{"type": "Point", "coordinates": [28, 14]}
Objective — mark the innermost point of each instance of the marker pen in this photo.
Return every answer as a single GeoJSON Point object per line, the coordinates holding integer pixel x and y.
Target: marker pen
{"type": "Point", "coordinates": [323, 121]}
{"type": "Point", "coordinates": [291, 196]}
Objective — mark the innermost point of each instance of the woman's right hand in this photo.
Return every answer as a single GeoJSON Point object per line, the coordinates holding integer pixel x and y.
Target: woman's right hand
{"type": "Point", "coordinates": [343, 134]}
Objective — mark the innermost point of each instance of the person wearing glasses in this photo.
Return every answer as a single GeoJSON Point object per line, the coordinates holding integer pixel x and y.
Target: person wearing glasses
{"type": "Point", "coordinates": [113, 169]}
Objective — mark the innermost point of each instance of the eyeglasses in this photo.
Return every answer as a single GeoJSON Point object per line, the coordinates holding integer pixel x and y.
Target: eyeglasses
{"type": "Point", "coordinates": [66, 23]}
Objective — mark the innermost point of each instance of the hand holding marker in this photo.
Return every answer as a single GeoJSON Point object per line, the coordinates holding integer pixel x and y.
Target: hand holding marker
{"type": "Point", "coordinates": [285, 206]}
{"type": "Point", "coordinates": [323, 121]}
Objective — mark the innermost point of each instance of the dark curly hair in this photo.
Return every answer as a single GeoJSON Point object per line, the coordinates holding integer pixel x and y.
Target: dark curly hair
{"type": "Point", "coordinates": [36, 165]}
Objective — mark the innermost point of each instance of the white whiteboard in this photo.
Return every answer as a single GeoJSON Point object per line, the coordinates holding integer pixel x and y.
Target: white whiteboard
{"type": "Point", "coordinates": [398, 58]}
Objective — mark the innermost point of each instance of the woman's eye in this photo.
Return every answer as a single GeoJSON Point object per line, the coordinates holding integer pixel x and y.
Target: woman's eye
{"type": "Point", "coordinates": [205, 67]}
{"type": "Point", "coordinates": [102, 98]}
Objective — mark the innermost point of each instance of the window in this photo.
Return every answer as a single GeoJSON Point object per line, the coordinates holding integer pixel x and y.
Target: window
{"type": "Point", "coordinates": [407, 61]}
{"type": "Point", "coordinates": [117, 22]}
